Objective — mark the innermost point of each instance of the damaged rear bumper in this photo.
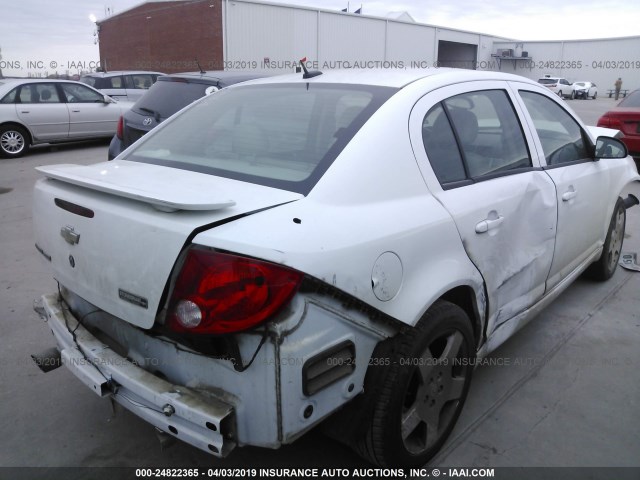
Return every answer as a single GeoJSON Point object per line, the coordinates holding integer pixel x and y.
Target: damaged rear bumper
{"type": "Point", "coordinates": [204, 422]}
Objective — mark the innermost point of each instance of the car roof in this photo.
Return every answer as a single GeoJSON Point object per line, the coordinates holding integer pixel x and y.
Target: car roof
{"type": "Point", "coordinates": [8, 83]}
{"type": "Point", "coordinates": [630, 97]}
{"type": "Point", "coordinates": [395, 78]}
{"type": "Point", "coordinates": [217, 75]}
{"type": "Point", "coordinates": [37, 80]}
{"type": "Point", "coordinates": [119, 72]}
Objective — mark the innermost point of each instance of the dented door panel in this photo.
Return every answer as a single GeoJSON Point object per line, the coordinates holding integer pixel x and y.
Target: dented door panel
{"type": "Point", "coordinates": [514, 258]}
{"type": "Point", "coordinates": [507, 224]}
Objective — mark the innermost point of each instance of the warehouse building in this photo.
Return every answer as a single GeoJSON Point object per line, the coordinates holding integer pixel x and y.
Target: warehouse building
{"type": "Point", "coordinates": [600, 61]}
{"type": "Point", "coordinates": [183, 35]}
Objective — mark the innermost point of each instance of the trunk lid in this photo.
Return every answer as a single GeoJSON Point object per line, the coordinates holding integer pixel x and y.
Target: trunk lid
{"type": "Point", "coordinates": [114, 230]}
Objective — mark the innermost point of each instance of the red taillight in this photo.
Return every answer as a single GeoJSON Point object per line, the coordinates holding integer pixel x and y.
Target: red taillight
{"type": "Point", "coordinates": [218, 293]}
{"type": "Point", "coordinates": [603, 121]}
{"type": "Point", "coordinates": [616, 123]}
{"type": "Point", "coordinates": [612, 122]}
{"type": "Point", "coordinates": [120, 128]}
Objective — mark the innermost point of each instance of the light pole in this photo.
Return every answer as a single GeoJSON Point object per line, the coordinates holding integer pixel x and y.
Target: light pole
{"type": "Point", "coordinates": [96, 34]}
{"type": "Point", "coordinates": [94, 20]}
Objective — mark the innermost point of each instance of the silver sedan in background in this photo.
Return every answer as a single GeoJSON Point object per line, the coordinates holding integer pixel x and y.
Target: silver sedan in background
{"type": "Point", "coordinates": [35, 111]}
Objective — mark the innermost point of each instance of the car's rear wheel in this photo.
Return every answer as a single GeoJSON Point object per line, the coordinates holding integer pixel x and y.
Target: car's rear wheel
{"type": "Point", "coordinates": [606, 265]}
{"type": "Point", "coordinates": [573, 94]}
{"type": "Point", "coordinates": [419, 392]}
{"type": "Point", "coordinates": [14, 141]}
{"type": "Point", "coordinates": [560, 93]}
{"type": "Point", "coordinates": [595, 95]}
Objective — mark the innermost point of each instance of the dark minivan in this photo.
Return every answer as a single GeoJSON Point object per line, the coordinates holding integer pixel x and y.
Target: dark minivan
{"type": "Point", "coordinates": [169, 94]}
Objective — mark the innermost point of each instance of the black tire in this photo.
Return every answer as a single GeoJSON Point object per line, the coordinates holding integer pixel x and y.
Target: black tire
{"type": "Point", "coordinates": [595, 95]}
{"type": "Point", "coordinates": [560, 94]}
{"type": "Point", "coordinates": [573, 95]}
{"type": "Point", "coordinates": [14, 141]}
{"type": "Point", "coordinates": [604, 268]}
{"type": "Point", "coordinates": [417, 395]}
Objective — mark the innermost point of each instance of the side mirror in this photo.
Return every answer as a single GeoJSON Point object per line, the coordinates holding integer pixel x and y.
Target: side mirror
{"type": "Point", "coordinates": [608, 147]}
{"type": "Point", "coordinates": [108, 99]}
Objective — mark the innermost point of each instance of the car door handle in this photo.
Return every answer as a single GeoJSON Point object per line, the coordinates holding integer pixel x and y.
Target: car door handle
{"type": "Point", "coordinates": [24, 111]}
{"type": "Point", "coordinates": [75, 111]}
{"type": "Point", "coordinates": [489, 224]}
{"type": "Point", "coordinates": [566, 196]}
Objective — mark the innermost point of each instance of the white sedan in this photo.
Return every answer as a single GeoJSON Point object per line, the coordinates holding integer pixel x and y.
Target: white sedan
{"type": "Point", "coordinates": [35, 111]}
{"type": "Point", "coordinates": [338, 248]}
{"type": "Point", "coordinates": [585, 90]}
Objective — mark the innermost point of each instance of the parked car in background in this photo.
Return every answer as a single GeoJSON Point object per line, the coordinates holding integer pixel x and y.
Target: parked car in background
{"type": "Point", "coordinates": [626, 118]}
{"type": "Point", "coordinates": [122, 85]}
{"type": "Point", "coordinates": [166, 97]}
{"type": "Point", "coordinates": [348, 243]}
{"type": "Point", "coordinates": [558, 85]}
{"type": "Point", "coordinates": [585, 90]}
{"type": "Point", "coordinates": [51, 111]}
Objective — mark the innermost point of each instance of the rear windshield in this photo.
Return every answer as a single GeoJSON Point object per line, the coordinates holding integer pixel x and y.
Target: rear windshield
{"type": "Point", "coordinates": [547, 81]}
{"type": "Point", "coordinates": [632, 100]}
{"type": "Point", "coordinates": [284, 136]}
{"type": "Point", "coordinates": [166, 97]}
{"type": "Point", "coordinates": [91, 81]}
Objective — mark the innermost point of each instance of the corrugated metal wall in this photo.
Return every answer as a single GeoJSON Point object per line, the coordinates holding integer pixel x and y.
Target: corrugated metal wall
{"type": "Point", "coordinates": [281, 34]}
{"type": "Point", "coordinates": [410, 42]}
{"type": "Point", "coordinates": [255, 32]}
{"type": "Point", "coordinates": [348, 39]}
{"type": "Point", "coordinates": [598, 61]}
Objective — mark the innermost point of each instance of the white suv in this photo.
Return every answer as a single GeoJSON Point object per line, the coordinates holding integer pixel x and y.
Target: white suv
{"type": "Point", "coordinates": [560, 86]}
{"type": "Point", "coordinates": [122, 85]}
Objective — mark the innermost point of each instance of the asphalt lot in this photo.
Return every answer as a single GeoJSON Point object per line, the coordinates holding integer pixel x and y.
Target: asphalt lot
{"type": "Point", "coordinates": [565, 391]}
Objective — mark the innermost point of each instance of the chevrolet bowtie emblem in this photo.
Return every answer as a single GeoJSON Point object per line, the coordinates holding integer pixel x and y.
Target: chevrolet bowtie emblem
{"type": "Point", "coordinates": [69, 235]}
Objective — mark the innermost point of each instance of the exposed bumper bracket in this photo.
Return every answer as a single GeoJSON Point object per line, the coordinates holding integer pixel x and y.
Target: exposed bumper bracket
{"type": "Point", "coordinates": [201, 420]}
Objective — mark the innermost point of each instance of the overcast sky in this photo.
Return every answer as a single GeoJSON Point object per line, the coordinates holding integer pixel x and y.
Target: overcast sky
{"type": "Point", "coordinates": [59, 33]}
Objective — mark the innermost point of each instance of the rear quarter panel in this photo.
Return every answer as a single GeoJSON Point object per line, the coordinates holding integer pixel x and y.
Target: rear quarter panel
{"type": "Point", "coordinates": [372, 200]}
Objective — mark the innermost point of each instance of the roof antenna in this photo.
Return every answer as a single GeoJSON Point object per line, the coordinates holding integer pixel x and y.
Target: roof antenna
{"type": "Point", "coordinates": [307, 73]}
{"type": "Point", "coordinates": [202, 72]}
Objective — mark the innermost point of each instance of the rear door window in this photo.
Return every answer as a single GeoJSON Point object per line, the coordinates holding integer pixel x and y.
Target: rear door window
{"type": "Point", "coordinates": [474, 135]}
{"type": "Point", "coordinates": [140, 81]}
{"type": "Point", "coordinates": [10, 97]}
{"type": "Point", "coordinates": [441, 146]}
{"type": "Point", "coordinates": [112, 82]}
{"type": "Point", "coordinates": [39, 93]}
